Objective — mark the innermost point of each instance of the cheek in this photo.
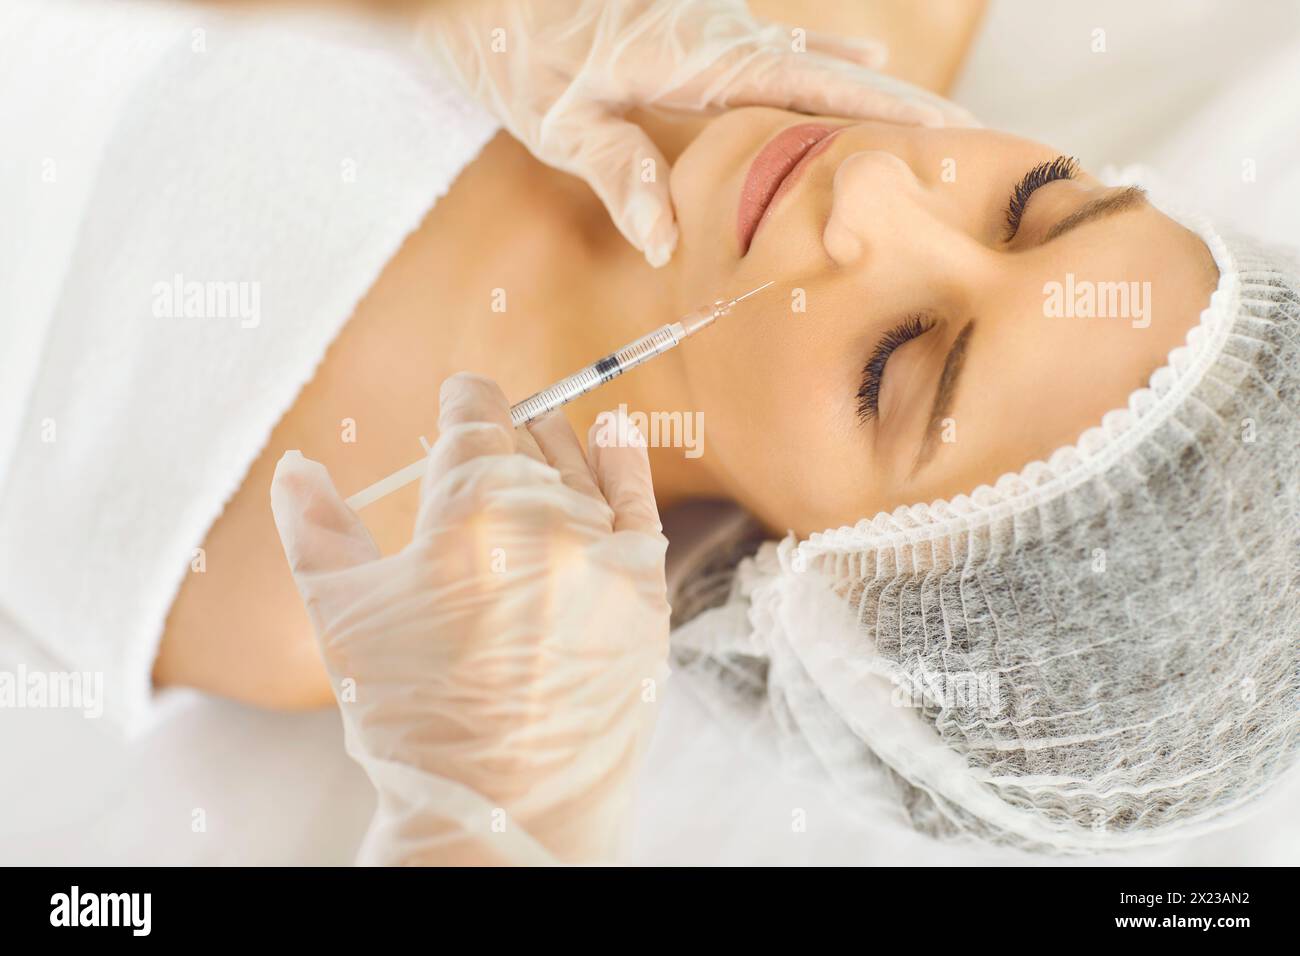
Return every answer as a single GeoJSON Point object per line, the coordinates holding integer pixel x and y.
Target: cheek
{"type": "Point", "coordinates": [737, 376]}
{"type": "Point", "coordinates": [778, 420]}
{"type": "Point", "coordinates": [731, 373]}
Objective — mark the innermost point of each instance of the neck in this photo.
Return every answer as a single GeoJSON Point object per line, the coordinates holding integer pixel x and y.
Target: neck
{"type": "Point", "coordinates": [615, 298]}
{"type": "Point", "coordinates": [618, 299]}
{"type": "Point", "coordinates": [589, 293]}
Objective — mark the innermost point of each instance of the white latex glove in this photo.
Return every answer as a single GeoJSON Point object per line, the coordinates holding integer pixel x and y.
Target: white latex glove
{"type": "Point", "coordinates": [559, 74]}
{"type": "Point", "coordinates": [497, 677]}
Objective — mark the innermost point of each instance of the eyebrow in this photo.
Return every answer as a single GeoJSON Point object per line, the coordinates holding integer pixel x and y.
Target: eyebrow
{"type": "Point", "coordinates": [1113, 202]}
{"type": "Point", "coordinates": [944, 393]}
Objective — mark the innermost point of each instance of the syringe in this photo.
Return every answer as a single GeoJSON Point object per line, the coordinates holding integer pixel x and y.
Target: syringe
{"type": "Point", "coordinates": [579, 383]}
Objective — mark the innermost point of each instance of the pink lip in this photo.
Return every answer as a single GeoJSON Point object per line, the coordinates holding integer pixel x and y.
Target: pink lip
{"type": "Point", "coordinates": [775, 169]}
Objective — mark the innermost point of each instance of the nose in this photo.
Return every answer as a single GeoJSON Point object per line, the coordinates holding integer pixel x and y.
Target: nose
{"type": "Point", "coordinates": [880, 208]}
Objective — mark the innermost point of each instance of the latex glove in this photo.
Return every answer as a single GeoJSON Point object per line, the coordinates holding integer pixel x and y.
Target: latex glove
{"type": "Point", "coordinates": [497, 677]}
{"type": "Point", "coordinates": [559, 74]}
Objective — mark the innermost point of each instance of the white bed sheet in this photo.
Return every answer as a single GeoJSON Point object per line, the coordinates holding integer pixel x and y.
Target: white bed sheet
{"type": "Point", "coordinates": [215, 783]}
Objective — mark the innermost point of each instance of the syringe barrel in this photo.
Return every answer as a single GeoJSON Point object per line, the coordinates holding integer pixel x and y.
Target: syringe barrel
{"type": "Point", "coordinates": [597, 374]}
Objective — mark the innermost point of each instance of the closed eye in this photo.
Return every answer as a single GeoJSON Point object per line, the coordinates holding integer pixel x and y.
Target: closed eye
{"type": "Point", "coordinates": [873, 373]}
{"type": "Point", "coordinates": [1062, 167]}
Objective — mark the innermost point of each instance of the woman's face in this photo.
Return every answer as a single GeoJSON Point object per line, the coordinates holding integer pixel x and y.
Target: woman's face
{"type": "Point", "coordinates": [946, 308]}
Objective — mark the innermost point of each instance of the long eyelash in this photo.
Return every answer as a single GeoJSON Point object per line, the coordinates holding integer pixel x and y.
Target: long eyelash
{"type": "Point", "coordinates": [1063, 167]}
{"type": "Point", "coordinates": [873, 372]}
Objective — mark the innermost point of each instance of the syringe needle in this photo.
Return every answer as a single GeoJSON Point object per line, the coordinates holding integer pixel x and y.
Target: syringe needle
{"type": "Point", "coordinates": [742, 298]}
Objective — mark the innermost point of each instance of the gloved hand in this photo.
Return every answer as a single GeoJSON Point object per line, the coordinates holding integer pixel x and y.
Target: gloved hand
{"type": "Point", "coordinates": [559, 74]}
{"type": "Point", "coordinates": [497, 677]}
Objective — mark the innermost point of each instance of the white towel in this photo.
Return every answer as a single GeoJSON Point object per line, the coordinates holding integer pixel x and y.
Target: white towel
{"type": "Point", "coordinates": [148, 148]}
